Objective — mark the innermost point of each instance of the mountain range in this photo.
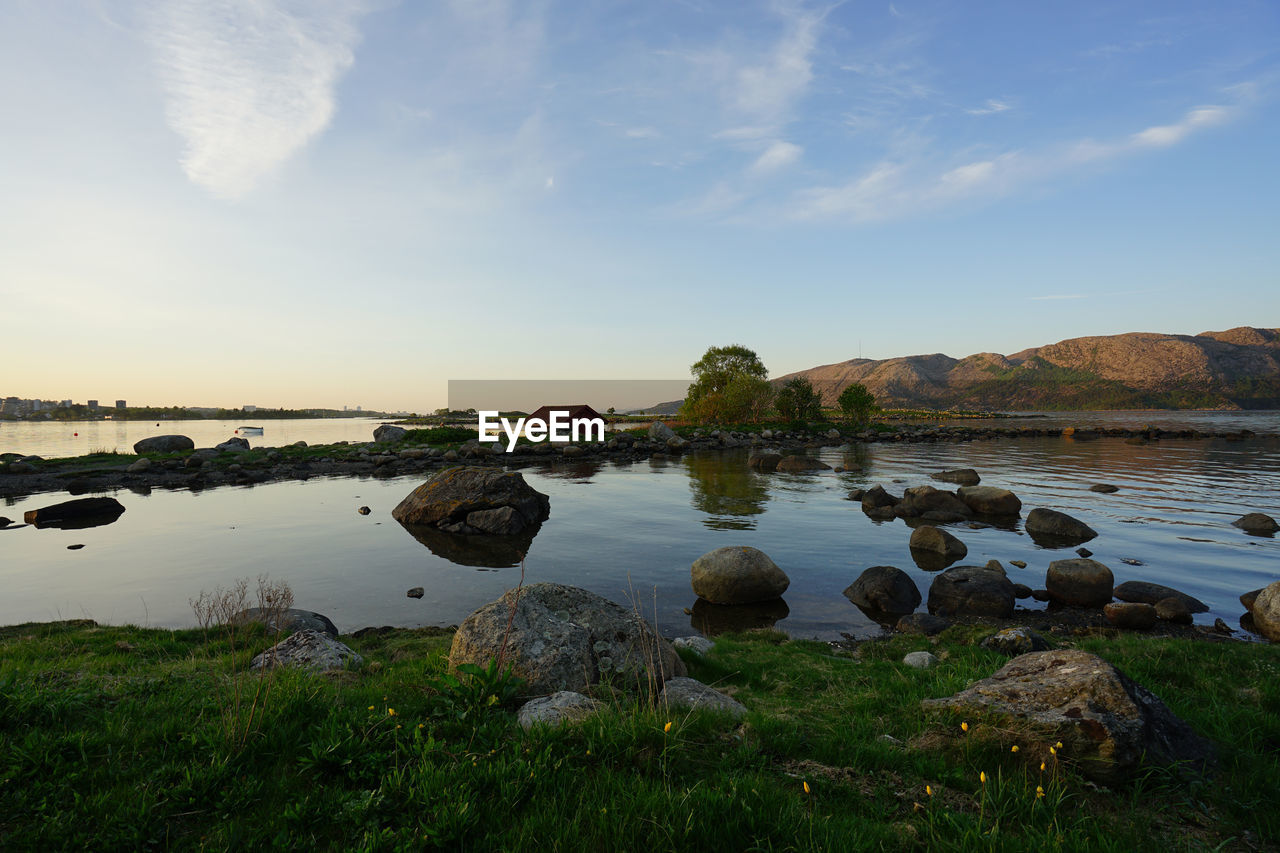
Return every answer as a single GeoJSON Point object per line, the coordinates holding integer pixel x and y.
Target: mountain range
{"type": "Point", "coordinates": [1235, 369]}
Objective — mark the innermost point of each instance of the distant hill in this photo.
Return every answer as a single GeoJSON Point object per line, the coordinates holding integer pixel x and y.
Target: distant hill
{"type": "Point", "coordinates": [1235, 369]}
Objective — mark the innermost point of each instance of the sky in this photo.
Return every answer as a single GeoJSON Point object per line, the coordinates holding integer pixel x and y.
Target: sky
{"type": "Point", "coordinates": [320, 203]}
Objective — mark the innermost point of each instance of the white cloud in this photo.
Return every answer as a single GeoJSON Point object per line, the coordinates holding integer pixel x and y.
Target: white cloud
{"type": "Point", "coordinates": [642, 133]}
{"type": "Point", "coordinates": [768, 90]}
{"type": "Point", "coordinates": [249, 82]}
{"type": "Point", "coordinates": [1170, 134]}
{"type": "Point", "coordinates": [991, 107]}
{"type": "Point", "coordinates": [1055, 296]}
{"type": "Point", "coordinates": [777, 156]}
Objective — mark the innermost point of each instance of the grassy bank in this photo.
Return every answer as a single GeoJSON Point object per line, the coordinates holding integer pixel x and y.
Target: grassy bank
{"type": "Point", "coordinates": [127, 738]}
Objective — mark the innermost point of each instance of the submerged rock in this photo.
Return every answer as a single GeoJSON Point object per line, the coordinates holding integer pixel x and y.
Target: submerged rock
{"type": "Point", "coordinates": [959, 476]}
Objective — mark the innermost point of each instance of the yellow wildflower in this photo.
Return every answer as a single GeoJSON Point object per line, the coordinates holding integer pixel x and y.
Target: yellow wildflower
{"type": "Point", "coordinates": [1039, 791]}
{"type": "Point", "coordinates": [666, 728]}
{"type": "Point", "coordinates": [806, 786]}
{"type": "Point", "coordinates": [1041, 766]}
{"type": "Point", "coordinates": [391, 712]}
{"type": "Point", "coordinates": [982, 777]}
{"type": "Point", "coordinates": [1013, 748]}
{"type": "Point", "coordinates": [964, 727]}
{"type": "Point", "coordinates": [1053, 751]}
{"type": "Point", "coordinates": [928, 789]}
{"type": "Point", "coordinates": [370, 707]}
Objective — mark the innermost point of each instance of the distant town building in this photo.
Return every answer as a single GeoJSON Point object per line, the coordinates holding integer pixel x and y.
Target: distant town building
{"type": "Point", "coordinates": [249, 408]}
{"type": "Point", "coordinates": [120, 404]}
{"type": "Point", "coordinates": [93, 404]}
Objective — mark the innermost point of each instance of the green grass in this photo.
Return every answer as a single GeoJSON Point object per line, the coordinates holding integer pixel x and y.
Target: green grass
{"type": "Point", "coordinates": [127, 738]}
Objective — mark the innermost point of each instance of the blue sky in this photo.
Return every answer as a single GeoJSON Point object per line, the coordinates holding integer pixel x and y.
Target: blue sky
{"type": "Point", "coordinates": [329, 203]}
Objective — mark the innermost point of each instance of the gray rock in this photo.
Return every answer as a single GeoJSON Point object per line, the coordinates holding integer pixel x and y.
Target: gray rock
{"type": "Point", "coordinates": [676, 443]}
{"type": "Point", "coordinates": [1015, 641]}
{"type": "Point", "coordinates": [1057, 527]}
{"type": "Point", "coordinates": [388, 433]}
{"type": "Point", "coordinates": [971, 591]}
{"type": "Point", "coordinates": [1081, 583]}
{"type": "Point", "coordinates": [660, 432]}
{"type": "Point", "coordinates": [920, 660]}
{"type": "Point", "coordinates": [1144, 592]}
{"type": "Point", "coordinates": [876, 497]}
{"type": "Point", "coordinates": [1084, 552]}
{"type": "Point", "coordinates": [563, 706]}
{"type": "Point", "coordinates": [140, 466]}
{"type": "Point", "coordinates": [959, 476]}
{"type": "Point", "coordinates": [564, 638]}
{"type": "Point", "coordinates": [1133, 616]}
{"type": "Point", "coordinates": [504, 521]}
{"type": "Point", "coordinates": [1108, 724]}
{"type": "Point", "coordinates": [1021, 590]}
{"type": "Point", "coordinates": [163, 444]}
{"type": "Point", "coordinates": [1104, 488]}
{"type": "Point", "coordinates": [1256, 523]}
{"type": "Point", "coordinates": [937, 541]}
{"type": "Point", "coordinates": [884, 589]}
{"type": "Point", "coordinates": [764, 460]}
{"type": "Point", "coordinates": [1266, 612]}
{"type": "Point", "coordinates": [453, 495]}
{"type": "Point", "coordinates": [689, 693]}
{"type": "Point", "coordinates": [698, 645]}
{"type": "Point", "coordinates": [927, 499]}
{"type": "Point", "coordinates": [737, 574]}
{"type": "Point", "coordinates": [1173, 610]}
{"type": "Point", "coordinates": [287, 621]}
{"type": "Point", "coordinates": [307, 650]}
{"type": "Point", "coordinates": [235, 444]}
{"type": "Point", "coordinates": [416, 592]}
{"type": "Point", "coordinates": [922, 623]}
{"type": "Point", "coordinates": [989, 500]}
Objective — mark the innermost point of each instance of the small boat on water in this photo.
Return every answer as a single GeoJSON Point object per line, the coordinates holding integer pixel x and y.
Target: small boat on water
{"type": "Point", "coordinates": [249, 430]}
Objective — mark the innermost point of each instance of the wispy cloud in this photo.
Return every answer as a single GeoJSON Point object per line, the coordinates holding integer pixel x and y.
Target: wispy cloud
{"type": "Point", "coordinates": [894, 188]}
{"type": "Point", "coordinates": [1055, 296]}
{"type": "Point", "coordinates": [777, 156]}
{"type": "Point", "coordinates": [249, 82]}
{"type": "Point", "coordinates": [992, 106]}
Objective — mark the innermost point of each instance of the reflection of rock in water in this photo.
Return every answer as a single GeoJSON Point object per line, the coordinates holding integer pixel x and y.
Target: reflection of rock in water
{"type": "Point", "coordinates": [931, 561]}
{"type": "Point", "coordinates": [492, 551]}
{"type": "Point", "coordinates": [726, 489]}
{"type": "Point", "coordinates": [566, 470]}
{"type": "Point", "coordinates": [886, 620]}
{"type": "Point", "coordinates": [710, 619]}
{"type": "Point", "coordinates": [76, 515]}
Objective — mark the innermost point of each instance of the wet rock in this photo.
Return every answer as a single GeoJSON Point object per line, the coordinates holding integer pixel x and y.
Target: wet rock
{"type": "Point", "coordinates": [286, 621]}
{"type": "Point", "coordinates": [1041, 595]}
{"type": "Point", "coordinates": [140, 466]}
{"type": "Point", "coordinates": [856, 495]}
{"type": "Point", "coordinates": [1108, 724]}
{"type": "Point", "coordinates": [163, 444]}
{"type": "Point", "coordinates": [416, 592]}
{"type": "Point", "coordinates": [1050, 527]}
{"type": "Point", "coordinates": [797, 464]}
{"type": "Point", "coordinates": [737, 574]}
{"type": "Point", "coordinates": [877, 498]}
{"type": "Point", "coordinates": [1256, 523]}
{"type": "Point", "coordinates": [1021, 590]}
{"type": "Point", "coordinates": [1015, 641]}
{"type": "Point", "coordinates": [307, 649]}
{"type": "Point", "coordinates": [959, 476]}
{"type": "Point", "coordinates": [1145, 592]}
{"type": "Point", "coordinates": [234, 444]}
{"type": "Point", "coordinates": [1104, 488]}
{"type": "Point", "coordinates": [1019, 563]}
{"type": "Point", "coordinates": [1080, 583]}
{"type": "Point", "coordinates": [922, 623]}
{"type": "Point", "coordinates": [936, 541]}
{"type": "Point", "coordinates": [564, 638]}
{"type": "Point", "coordinates": [971, 591]}
{"type": "Point", "coordinates": [920, 660]}
{"type": "Point", "coordinates": [989, 500]}
{"type": "Point", "coordinates": [927, 499]}
{"type": "Point", "coordinates": [77, 514]}
{"type": "Point", "coordinates": [364, 510]}
{"type": "Point", "coordinates": [563, 706]}
{"type": "Point", "coordinates": [451, 497]}
{"type": "Point", "coordinates": [389, 433]}
{"type": "Point", "coordinates": [1249, 598]}
{"type": "Point", "coordinates": [1173, 610]}
{"type": "Point", "coordinates": [1132, 616]}
{"type": "Point", "coordinates": [1084, 552]}
{"type": "Point", "coordinates": [884, 589]}
{"type": "Point", "coordinates": [684, 692]}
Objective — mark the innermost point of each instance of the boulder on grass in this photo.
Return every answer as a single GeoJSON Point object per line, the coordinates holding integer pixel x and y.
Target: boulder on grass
{"type": "Point", "coordinates": [307, 650]}
{"type": "Point", "coordinates": [1108, 724]}
{"type": "Point", "coordinates": [450, 499]}
{"type": "Point", "coordinates": [1015, 641]}
{"type": "Point", "coordinates": [737, 574]}
{"type": "Point", "coordinates": [559, 637]}
{"type": "Point", "coordinates": [286, 621]}
{"type": "Point", "coordinates": [1266, 612]}
{"type": "Point", "coordinates": [690, 693]}
{"type": "Point", "coordinates": [561, 707]}
{"type": "Point", "coordinates": [163, 444]}
{"type": "Point", "coordinates": [388, 433]}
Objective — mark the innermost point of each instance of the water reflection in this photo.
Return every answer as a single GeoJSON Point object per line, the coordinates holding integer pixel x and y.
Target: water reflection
{"type": "Point", "coordinates": [579, 471]}
{"type": "Point", "coordinates": [726, 490]}
{"type": "Point", "coordinates": [489, 551]}
{"type": "Point", "coordinates": [711, 619]}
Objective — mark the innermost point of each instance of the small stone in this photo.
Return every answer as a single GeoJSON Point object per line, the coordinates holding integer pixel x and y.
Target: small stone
{"type": "Point", "coordinates": [76, 547]}
{"type": "Point", "coordinates": [1015, 641]}
{"type": "Point", "coordinates": [1084, 552]}
{"type": "Point", "coordinates": [1104, 488]}
{"type": "Point", "coordinates": [699, 645]}
{"type": "Point", "coordinates": [416, 592]}
{"type": "Point", "coordinates": [1022, 564]}
{"type": "Point", "coordinates": [920, 660]}
{"type": "Point", "coordinates": [364, 510]}
{"type": "Point", "coordinates": [563, 706]}
{"type": "Point", "coordinates": [1130, 615]}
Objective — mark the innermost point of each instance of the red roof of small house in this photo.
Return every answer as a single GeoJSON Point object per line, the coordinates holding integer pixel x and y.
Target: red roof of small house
{"type": "Point", "coordinates": [581, 410]}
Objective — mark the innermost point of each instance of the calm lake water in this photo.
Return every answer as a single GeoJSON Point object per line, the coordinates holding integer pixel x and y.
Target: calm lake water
{"type": "Point", "coordinates": [52, 439]}
{"type": "Point", "coordinates": [630, 532]}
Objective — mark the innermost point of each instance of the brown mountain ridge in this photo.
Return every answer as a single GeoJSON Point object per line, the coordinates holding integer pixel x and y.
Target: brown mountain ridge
{"type": "Point", "coordinates": [1235, 369]}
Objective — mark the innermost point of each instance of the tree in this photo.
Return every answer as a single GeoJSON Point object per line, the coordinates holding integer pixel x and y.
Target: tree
{"type": "Point", "coordinates": [797, 401]}
{"type": "Point", "coordinates": [728, 386]}
{"type": "Point", "coordinates": [857, 403]}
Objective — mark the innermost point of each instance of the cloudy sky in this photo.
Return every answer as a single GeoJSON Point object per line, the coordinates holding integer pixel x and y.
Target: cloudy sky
{"type": "Point", "coordinates": [314, 202]}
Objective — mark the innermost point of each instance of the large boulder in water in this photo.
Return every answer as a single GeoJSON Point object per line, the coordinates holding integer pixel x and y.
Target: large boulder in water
{"type": "Point", "coordinates": [989, 500]}
{"type": "Point", "coordinates": [884, 589]}
{"type": "Point", "coordinates": [923, 499]}
{"type": "Point", "coordinates": [934, 540]}
{"type": "Point", "coordinates": [1080, 582]}
{"type": "Point", "coordinates": [163, 444]}
{"type": "Point", "coordinates": [1053, 528]}
{"type": "Point", "coordinates": [1145, 592]}
{"type": "Point", "coordinates": [971, 591]}
{"type": "Point", "coordinates": [959, 476]}
{"type": "Point", "coordinates": [1266, 612]}
{"type": "Point", "coordinates": [474, 500]}
{"type": "Point", "coordinates": [80, 513]}
{"type": "Point", "coordinates": [1257, 523]}
{"type": "Point", "coordinates": [1108, 724]}
{"type": "Point", "coordinates": [560, 637]}
{"type": "Point", "coordinates": [737, 574]}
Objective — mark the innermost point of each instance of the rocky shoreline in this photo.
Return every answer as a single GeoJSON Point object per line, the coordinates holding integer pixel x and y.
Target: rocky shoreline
{"type": "Point", "coordinates": [234, 464]}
